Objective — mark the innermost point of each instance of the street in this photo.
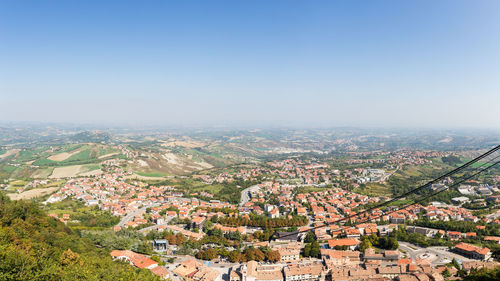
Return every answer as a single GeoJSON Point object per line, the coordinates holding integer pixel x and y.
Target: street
{"type": "Point", "coordinates": [438, 255]}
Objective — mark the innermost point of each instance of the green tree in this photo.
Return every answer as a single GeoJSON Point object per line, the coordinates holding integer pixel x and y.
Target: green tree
{"type": "Point", "coordinates": [315, 250]}
{"type": "Point", "coordinates": [310, 237]}
{"type": "Point", "coordinates": [365, 244]}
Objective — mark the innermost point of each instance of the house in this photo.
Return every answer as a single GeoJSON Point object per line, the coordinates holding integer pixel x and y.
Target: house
{"type": "Point", "coordinates": [350, 243]}
{"type": "Point", "coordinates": [301, 211]}
{"type": "Point", "coordinates": [470, 235]}
{"type": "Point", "coordinates": [198, 222]}
{"type": "Point", "coordinates": [161, 272]}
{"type": "Point", "coordinates": [193, 270]}
{"type": "Point", "coordinates": [473, 251]}
{"type": "Point", "coordinates": [287, 254]}
{"type": "Point", "coordinates": [353, 233]}
{"type": "Point", "coordinates": [274, 213]}
{"type": "Point", "coordinates": [396, 218]}
{"type": "Point", "coordinates": [137, 260]}
{"type": "Point", "coordinates": [252, 271]}
{"type": "Point", "coordinates": [454, 235]}
{"type": "Point", "coordinates": [157, 219]}
{"type": "Point", "coordinates": [304, 272]}
{"type": "Point", "coordinates": [492, 238]}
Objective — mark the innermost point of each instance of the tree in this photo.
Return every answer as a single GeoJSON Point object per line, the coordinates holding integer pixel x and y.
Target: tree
{"type": "Point", "coordinates": [273, 256]}
{"type": "Point", "coordinates": [392, 243]}
{"type": "Point", "coordinates": [483, 274]}
{"type": "Point", "coordinates": [69, 257]}
{"type": "Point", "coordinates": [235, 256]}
{"type": "Point", "coordinates": [37, 247]}
{"type": "Point", "coordinates": [254, 254]}
{"type": "Point", "coordinates": [455, 263]}
{"type": "Point", "coordinates": [365, 244]}
{"type": "Point", "coordinates": [315, 250]}
{"type": "Point", "coordinates": [446, 273]}
{"type": "Point", "coordinates": [307, 250]}
{"type": "Point", "coordinates": [310, 237]}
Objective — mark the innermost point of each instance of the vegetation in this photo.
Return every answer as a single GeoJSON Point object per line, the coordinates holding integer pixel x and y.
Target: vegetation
{"type": "Point", "coordinates": [34, 246]}
{"type": "Point", "coordinates": [312, 250]}
{"type": "Point", "coordinates": [418, 239]}
{"type": "Point", "coordinates": [124, 239]}
{"type": "Point", "coordinates": [483, 274]}
{"type": "Point", "coordinates": [265, 222]}
{"type": "Point", "coordinates": [382, 242]}
{"type": "Point", "coordinates": [85, 215]}
{"type": "Point", "coordinates": [462, 226]}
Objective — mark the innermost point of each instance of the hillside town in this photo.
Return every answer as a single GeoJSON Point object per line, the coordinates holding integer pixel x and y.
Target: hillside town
{"type": "Point", "coordinates": [293, 227]}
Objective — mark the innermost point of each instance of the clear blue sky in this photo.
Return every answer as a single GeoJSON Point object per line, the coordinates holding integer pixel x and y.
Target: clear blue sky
{"type": "Point", "coordinates": [317, 63]}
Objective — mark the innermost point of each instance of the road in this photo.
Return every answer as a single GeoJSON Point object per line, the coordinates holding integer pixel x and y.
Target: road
{"type": "Point", "coordinates": [494, 216]}
{"type": "Point", "coordinates": [153, 227]}
{"type": "Point", "coordinates": [438, 255]}
{"type": "Point", "coordinates": [245, 193]}
{"type": "Point", "coordinates": [131, 216]}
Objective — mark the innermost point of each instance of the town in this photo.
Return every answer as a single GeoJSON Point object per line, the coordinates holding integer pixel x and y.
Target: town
{"type": "Point", "coordinates": [290, 225]}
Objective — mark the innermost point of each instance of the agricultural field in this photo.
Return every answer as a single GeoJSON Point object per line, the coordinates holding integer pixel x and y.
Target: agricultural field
{"type": "Point", "coordinates": [33, 193]}
{"type": "Point", "coordinates": [75, 170]}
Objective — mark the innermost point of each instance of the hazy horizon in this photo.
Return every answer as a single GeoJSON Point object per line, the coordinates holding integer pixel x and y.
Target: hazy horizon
{"type": "Point", "coordinates": [394, 64]}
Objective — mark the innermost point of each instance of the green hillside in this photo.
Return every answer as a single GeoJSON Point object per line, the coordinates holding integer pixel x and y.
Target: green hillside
{"type": "Point", "coordinates": [34, 246]}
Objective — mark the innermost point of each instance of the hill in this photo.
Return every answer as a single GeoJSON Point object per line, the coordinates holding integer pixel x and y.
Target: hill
{"type": "Point", "coordinates": [34, 246]}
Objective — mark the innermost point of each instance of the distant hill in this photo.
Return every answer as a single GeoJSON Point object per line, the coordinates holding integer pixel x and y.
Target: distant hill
{"type": "Point", "coordinates": [91, 137]}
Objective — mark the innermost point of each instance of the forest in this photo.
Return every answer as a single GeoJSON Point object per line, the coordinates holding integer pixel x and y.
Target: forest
{"type": "Point", "coordinates": [34, 246]}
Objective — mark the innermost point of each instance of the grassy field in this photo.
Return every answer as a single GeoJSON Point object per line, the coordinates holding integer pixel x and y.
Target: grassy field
{"type": "Point", "coordinates": [9, 168]}
{"type": "Point", "coordinates": [212, 188]}
{"type": "Point", "coordinates": [151, 174]}
{"type": "Point", "coordinates": [15, 185]}
{"type": "Point", "coordinates": [43, 173]}
{"type": "Point", "coordinates": [89, 167]}
{"type": "Point", "coordinates": [33, 193]}
{"type": "Point", "coordinates": [309, 189]}
{"type": "Point", "coordinates": [67, 207]}
{"type": "Point", "coordinates": [374, 189]}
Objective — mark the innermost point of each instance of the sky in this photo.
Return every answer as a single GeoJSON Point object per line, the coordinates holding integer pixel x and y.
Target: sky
{"type": "Point", "coordinates": [252, 63]}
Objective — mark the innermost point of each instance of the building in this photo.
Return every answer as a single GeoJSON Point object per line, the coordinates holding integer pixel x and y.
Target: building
{"type": "Point", "coordinates": [350, 243]}
{"type": "Point", "coordinates": [160, 245]}
{"type": "Point", "coordinates": [460, 200]}
{"type": "Point", "coordinates": [304, 272]}
{"type": "Point", "coordinates": [193, 270]}
{"type": "Point", "coordinates": [274, 213]}
{"type": "Point", "coordinates": [287, 236]}
{"type": "Point", "coordinates": [198, 222]}
{"type": "Point", "coordinates": [161, 271]}
{"type": "Point", "coordinates": [472, 251]}
{"type": "Point", "coordinates": [137, 260]}
{"type": "Point", "coordinates": [454, 235]}
{"type": "Point", "coordinates": [287, 254]}
{"type": "Point", "coordinates": [420, 230]}
{"type": "Point", "coordinates": [252, 271]}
